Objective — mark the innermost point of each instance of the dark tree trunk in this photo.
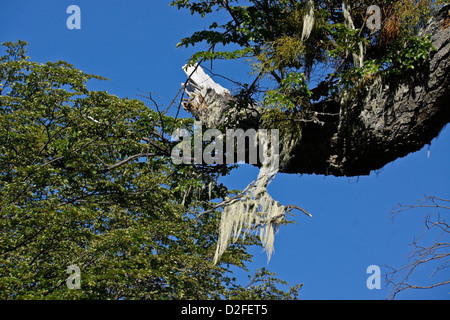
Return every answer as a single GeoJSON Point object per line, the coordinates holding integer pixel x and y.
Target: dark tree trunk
{"type": "Point", "coordinates": [383, 121]}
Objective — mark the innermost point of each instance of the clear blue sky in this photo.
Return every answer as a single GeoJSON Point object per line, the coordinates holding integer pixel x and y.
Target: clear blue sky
{"type": "Point", "coordinates": [133, 43]}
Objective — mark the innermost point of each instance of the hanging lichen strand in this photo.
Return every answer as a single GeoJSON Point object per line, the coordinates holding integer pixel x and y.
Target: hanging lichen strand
{"type": "Point", "coordinates": [358, 60]}
{"type": "Point", "coordinates": [308, 20]}
{"type": "Point", "coordinates": [255, 210]}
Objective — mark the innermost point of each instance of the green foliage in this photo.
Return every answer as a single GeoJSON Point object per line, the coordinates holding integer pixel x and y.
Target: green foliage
{"type": "Point", "coordinates": [402, 57]}
{"type": "Point", "coordinates": [216, 55]}
{"type": "Point", "coordinates": [86, 179]}
{"type": "Point", "coordinates": [264, 286]}
{"type": "Point", "coordinates": [412, 15]}
{"type": "Point", "coordinates": [408, 54]}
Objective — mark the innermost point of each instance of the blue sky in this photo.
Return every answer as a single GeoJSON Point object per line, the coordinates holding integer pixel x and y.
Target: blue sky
{"type": "Point", "coordinates": [133, 44]}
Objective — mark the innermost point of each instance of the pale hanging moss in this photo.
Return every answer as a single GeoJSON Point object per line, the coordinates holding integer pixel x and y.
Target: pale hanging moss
{"type": "Point", "coordinates": [255, 210]}
{"type": "Point", "coordinates": [290, 130]}
{"type": "Point", "coordinates": [358, 60]}
{"type": "Point", "coordinates": [308, 20]}
{"type": "Point", "coordinates": [289, 141]}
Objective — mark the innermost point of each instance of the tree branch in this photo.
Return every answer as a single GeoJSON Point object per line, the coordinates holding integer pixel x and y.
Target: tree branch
{"type": "Point", "coordinates": [121, 163]}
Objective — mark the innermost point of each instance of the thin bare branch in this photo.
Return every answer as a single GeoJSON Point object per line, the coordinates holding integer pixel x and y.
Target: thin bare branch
{"type": "Point", "coordinates": [437, 254]}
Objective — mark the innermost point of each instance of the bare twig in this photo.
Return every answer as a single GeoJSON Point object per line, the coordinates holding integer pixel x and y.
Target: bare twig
{"type": "Point", "coordinates": [438, 252]}
{"type": "Point", "coordinates": [130, 158]}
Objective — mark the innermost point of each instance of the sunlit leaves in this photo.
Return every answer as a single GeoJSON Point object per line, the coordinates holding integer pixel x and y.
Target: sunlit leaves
{"type": "Point", "coordinates": [293, 93]}
{"type": "Point", "coordinates": [268, 35]}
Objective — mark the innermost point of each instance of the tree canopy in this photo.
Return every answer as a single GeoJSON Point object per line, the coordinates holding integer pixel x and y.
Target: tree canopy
{"type": "Point", "coordinates": [86, 179]}
{"type": "Point", "coordinates": [271, 35]}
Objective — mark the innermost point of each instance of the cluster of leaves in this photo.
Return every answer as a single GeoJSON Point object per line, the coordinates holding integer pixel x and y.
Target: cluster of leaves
{"type": "Point", "coordinates": [408, 54]}
{"type": "Point", "coordinates": [292, 93]}
{"type": "Point", "coordinates": [264, 286]}
{"type": "Point", "coordinates": [401, 58]}
{"type": "Point", "coordinates": [86, 179]}
{"type": "Point", "coordinates": [268, 34]}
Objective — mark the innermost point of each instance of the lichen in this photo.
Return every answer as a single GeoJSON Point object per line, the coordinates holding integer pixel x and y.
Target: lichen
{"type": "Point", "coordinates": [308, 20]}
{"type": "Point", "coordinates": [358, 60]}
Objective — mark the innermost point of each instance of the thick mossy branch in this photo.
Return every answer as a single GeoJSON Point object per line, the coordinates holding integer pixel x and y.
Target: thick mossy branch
{"type": "Point", "coordinates": [384, 117]}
